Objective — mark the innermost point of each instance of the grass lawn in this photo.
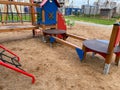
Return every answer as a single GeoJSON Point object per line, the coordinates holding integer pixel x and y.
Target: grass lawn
{"type": "Point", "coordinates": [15, 17]}
{"type": "Point", "coordinates": [96, 20]}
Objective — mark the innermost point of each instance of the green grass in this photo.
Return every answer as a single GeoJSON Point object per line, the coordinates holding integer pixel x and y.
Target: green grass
{"type": "Point", "coordinates": [16, 18]}
{"type": "Point", "coordinates": [96, 20]}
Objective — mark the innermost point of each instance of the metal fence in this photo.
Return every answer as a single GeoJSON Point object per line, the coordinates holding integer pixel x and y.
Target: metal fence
{"type": "Point", "coordinates": [94, 11]}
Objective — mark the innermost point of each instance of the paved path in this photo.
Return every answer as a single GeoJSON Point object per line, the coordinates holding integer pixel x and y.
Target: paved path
{"type": "Point", "coordinates": [93, 24]}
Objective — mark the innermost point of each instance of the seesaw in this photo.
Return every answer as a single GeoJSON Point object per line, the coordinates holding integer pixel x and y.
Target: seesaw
{"type": "Point", "coordinates": [79, 51]}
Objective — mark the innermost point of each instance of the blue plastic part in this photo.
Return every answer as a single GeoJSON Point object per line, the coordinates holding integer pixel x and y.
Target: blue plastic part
{"type": "Point", "coordinates": [52, 40]}
{"type": "Point", "coordinates": [50, 8]}
{"type": "Point", "coordinates": [39, 15]}
{"type": "Point", "coordinates": [80, 53]}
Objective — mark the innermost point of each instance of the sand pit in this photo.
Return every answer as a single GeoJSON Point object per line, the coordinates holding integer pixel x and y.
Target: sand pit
{"type": "Point", "coordinates": [57, 68]}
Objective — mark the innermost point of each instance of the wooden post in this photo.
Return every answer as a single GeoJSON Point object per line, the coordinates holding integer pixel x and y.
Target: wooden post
{"type": "Point", "coordinates": [5, 15]}
{"type": "Point", "coordinates": [43, 19]}
{"type": "Point", "coordinates": [110, 51]}
{"type": "Point", "coordinates": [43, 16]}
{"type": "Point", "coordinates": [32, 13]}
{"type": "Point", "coordinates": [117, 60]}
{"type": "Point", "coordinates": [111, 43]}
{"type": "Point", "coordinates": [18, 13]}
{"type": "Point", "coordinates": [84, 49]}
{"type": "Point", "coordinates": [32, 16]}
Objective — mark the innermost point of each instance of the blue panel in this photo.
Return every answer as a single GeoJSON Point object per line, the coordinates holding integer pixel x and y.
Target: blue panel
{"type": "Point", "coordinates": [39, 15]}
{"type": "Point", "coordinates": [80, 53]}
{"type": "Point", "coordinates": [26, 9]}
{"type": "Point", "coordinates": [68, 11]}
{"type": "Point", "coordinates": [52, 40]}
{"type": "Point", "coordinates": [50, 9]}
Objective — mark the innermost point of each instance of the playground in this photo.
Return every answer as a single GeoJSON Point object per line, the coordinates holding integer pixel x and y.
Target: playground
{"type": "Point", "coordinates": [57, 68]}
{"type": "Point", "coordinates": [55, 53]}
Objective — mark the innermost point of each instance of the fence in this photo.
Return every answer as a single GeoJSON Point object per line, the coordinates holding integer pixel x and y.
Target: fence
{"type": "Point", "coordinates": [73, 11]}
{"type": "Point", "coordinates": [15, 12]}
{"type": "Point", "coordinates": [86, 10]}
{"type": "Point", "coordinates": [90, 10]}
{"type": "Point", "coordinates": [13, 17]}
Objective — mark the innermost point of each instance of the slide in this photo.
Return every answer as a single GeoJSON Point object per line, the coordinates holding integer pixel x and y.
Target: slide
{"type": "Point", "coordinates": [61, 21]}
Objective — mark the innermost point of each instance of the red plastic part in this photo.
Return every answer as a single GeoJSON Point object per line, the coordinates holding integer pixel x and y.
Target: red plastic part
{"type": "Point", "coordinates": [117, 37]}
{"type": "Point", "coordinates": [118, 54]}
{"type": "Point", "coordinates": [61, 23]}
{"type": "Point", "coordinates": [90, 50]}
{"type": "Point", "coordinates": [18, 58]}
{"type": "Point", "coordinates": [18, 70]}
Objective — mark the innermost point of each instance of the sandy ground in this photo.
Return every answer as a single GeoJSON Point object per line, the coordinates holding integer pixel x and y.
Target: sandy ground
{"type": "Point", "coordinates": [57, 68]}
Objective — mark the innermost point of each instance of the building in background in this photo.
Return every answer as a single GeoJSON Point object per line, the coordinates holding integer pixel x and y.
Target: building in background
{"type": "Point", "coordinates": [91, 7]}
{"type": "Point", "coordinates": [112, 5]}
{"type": "Point", "coordinates": [107, 8]}
{"type": "Point", "coordinates": [65, 3]}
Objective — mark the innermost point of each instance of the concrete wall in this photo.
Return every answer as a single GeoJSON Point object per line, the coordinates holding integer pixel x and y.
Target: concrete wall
{"type": "Point", "coordinates": [118, 8]}
{"type": "Point", "coordinates": [90, 10]}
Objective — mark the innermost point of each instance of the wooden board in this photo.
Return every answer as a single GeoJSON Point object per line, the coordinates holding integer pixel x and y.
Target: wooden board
{"type": "Point", "coordinates": [10, 28]}
{"type": "Point", "coordinates": [77, 37]}
{"type": "Point", "coordinates": [18, 3]}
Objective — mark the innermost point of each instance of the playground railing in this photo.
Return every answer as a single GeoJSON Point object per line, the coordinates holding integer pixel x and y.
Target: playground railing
{"type": "Point", "coordinates": [13, 17]}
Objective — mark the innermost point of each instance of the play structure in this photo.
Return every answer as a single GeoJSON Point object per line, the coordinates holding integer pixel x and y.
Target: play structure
{"type": "Point", "coordinates": [52, 23]}
{"type": "Point", "coordinates": [12, 18]}
{"type": "Point", "coordinates": [105, 48]}
{"type": "Point", "coordinates": [47, 14]}
{"type": "Point", "coordinates": [48, 17]}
